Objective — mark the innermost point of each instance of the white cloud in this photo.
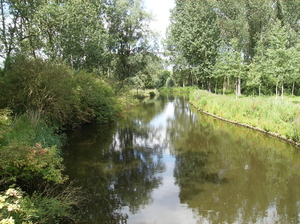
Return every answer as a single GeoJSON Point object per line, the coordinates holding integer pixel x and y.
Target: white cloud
{"type": "Point", "coordinates": [161, 12]}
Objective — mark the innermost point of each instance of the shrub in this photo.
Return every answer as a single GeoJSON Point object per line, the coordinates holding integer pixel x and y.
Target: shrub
{"type": "Point", "coordinates": [37, 87]}
{"type": "Point", "coordinates": [30, 164]}
{"type": "Point", "coordinates": [46, 207]}
{"type": "Point", "coordinates": [95, 99]}
{"type": "Point", "coordinates": [30, 153]}
{"type": "Point", "coordinates": [25, 130]}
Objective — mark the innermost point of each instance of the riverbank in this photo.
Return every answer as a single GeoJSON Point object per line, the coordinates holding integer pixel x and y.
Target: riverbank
{"type": "Point", "coordinates": [33, 184]}
{"type": "Point", "coordinates": [275, 117]}
{"type": "Point", "coordinates": [279, 118]}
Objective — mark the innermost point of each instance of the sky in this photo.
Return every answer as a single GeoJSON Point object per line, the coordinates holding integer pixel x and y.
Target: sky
{"type": "Point", "coordinates": [161, 11]}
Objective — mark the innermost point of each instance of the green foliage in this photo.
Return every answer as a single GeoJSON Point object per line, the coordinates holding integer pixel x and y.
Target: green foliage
{"type": "Point", "coordinates": [30, 158]}
{"type": "Point", "coordinates": [31, 164]}
{"type": "Point", "coordinates": [262, 112]}
{"type": "Point", "coordinates": [17, 207]}
{"type": "Point", "coordinates": [38, 88]}
{"type": "Point", "coordinates": [161, 78]}
{"type": "Point", "coordinates": [5, 118]}
{"type": "Point", "coordinates": [24, 129]}
{"type": "Point", "coordinates": [30, 153]}
{"type": "Point", "coordinates": [195, 35]}
{"type": "Point", "coordinates": [170, 82]}
{"type": "Point", "coordinates": [5, 121]}
{"type": "Point", "coordinates": [152, 94]}
{"type": "Point", "coordinates": [50, 91]}
{"type": "Point", "coordinates": [178, 89]}
{"type": "Point", "coordinates": [128, 26]}
{"type": "Point", "coordinates": [95, 100]}
{"type": "Point", "coordinates": [11, 210]}
{"type": "Point", "coordinates": [258, 53]}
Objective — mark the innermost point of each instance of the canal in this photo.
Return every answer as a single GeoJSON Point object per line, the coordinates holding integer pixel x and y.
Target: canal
{"type": "Point", "coordinates": [164, 162]}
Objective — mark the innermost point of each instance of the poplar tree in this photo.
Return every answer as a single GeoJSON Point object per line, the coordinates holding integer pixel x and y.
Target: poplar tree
{"type": "Point", "coordinates": [195, 34]}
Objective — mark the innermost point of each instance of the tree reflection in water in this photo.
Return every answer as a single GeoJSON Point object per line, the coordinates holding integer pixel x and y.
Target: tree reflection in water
{"type": "Point", "coordinates": [117, 165]}
{"type": "Point", "coordinates": [229, 174]}
{"type": "Point", "coordinates": [219, 173]}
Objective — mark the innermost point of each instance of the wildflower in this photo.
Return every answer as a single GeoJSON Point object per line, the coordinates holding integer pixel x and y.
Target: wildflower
{"type": "Point", "coordinates": [13, 193]}
{"type": "Point", "coordinates": [3, 198]}
{"type": "Point", "coordinates": [13, 207]}
{"type": "Point", "coordinates": [1, 205]}
{"type": "Point", "coordinates": [7, 221]}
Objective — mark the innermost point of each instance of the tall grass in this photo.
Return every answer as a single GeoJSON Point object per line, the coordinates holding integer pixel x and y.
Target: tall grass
{"type": "Point", "coordinates": [266, 113]}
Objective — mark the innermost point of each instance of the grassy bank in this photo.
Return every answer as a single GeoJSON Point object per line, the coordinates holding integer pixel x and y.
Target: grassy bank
{"type": "Point", "coordinates": [177, 89]}
{"type": "Point", "coordinates": [278, 117]}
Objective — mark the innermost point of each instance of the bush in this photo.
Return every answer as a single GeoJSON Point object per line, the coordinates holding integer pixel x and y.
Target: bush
{"type": "Point", "coordinates": [32, 165]}
{"type": "Point", "coordinates": [49, 91]}
{"type": "Point", "coordinates": [38, 88]}
{"type": "Point", "coordinates": [95, 99]}
{"type": "Point", "coordinates": [46, 207]}
{"type": "Point", "coordinates": [24, 129]}
{"type": "Point", "coordinates": [30, 153]}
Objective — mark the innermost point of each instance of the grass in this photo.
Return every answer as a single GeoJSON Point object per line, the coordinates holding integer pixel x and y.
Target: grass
{"type": "Point", "coordinates": [177, 89]}
{"type": "Point", "coordinates": [277, 116]}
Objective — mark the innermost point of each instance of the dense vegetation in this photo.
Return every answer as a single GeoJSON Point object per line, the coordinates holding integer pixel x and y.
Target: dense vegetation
{"type": "Point", "coordinates": [67, 63]}
{"type": "Point", "coordinates": [244, 46]}
{"type": "Point", "coordinates": [63, 64]}
{"type": "Point", "coordinates": [279, 118]}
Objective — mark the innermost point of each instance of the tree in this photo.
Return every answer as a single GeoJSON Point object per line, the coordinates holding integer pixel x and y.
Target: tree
{"type": "Point", "coordinates": [231, 64]}
{"type": "Point", "coordinates": [195, 35]}
{"type": "Point", "coordinates": [17, 31]}
{"type": "Point", "coordinates": [128, 26]}
{"type": "Point", "coordinates": [278, 55]}
{"type": "Point", "coordinates": [74, 32]}
{"type": "Point", "coordinates": [258, 14]}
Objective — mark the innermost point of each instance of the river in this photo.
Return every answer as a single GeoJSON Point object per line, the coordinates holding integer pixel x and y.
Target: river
{"type": "Point", "coordinates": [164, 162]}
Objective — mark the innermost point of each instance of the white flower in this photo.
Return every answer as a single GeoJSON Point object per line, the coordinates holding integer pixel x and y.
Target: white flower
{"type": "Point", "coordinates": [7, 221]}
{"type": "Point", "coordinates": [13, 207]}
{"type": "Point", "coordinates": [2, 198]}
{"type": "Point", "coordinates": [13, 193]}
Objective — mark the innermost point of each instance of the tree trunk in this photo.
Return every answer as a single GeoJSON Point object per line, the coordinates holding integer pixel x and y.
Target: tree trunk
{"type": "Point", "coordinates": [216, 87]}
{"type": "Point", "coordinates": [276, 90]}
{"type": "Point", "coordinates": [209, 85]}
{"type": "Point", "coordinates": [293, 88]}
{"type": "Point", "coordinates": [282, 90]}
{"type": "Point", "coordinates": [224, 85]}
{"type": "Point", "coordinates": [238, 86]}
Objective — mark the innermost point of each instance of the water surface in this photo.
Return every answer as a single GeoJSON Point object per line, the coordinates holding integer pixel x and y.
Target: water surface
{"type": "Point", "coordinates": [164, 162]}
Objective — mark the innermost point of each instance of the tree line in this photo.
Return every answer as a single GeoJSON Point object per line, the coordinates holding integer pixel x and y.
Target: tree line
{"type": "Point", "coordinates": [57, 55]}
{"type": "Point", "coordinates": [248, 46]}
{"type": "Point", "coordinates": [109, 36]}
